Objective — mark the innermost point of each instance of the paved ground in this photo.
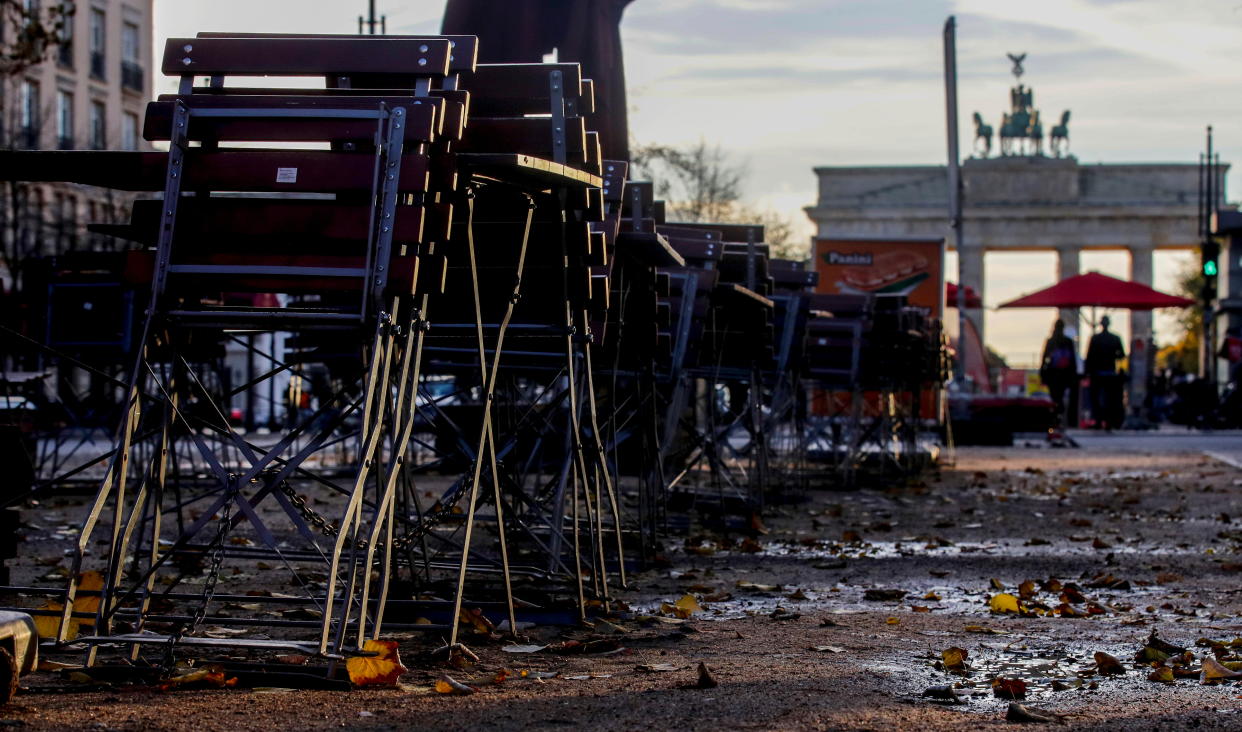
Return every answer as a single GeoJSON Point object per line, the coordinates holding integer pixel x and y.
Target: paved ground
{"type": "Point", "coordinates": [837, 617]}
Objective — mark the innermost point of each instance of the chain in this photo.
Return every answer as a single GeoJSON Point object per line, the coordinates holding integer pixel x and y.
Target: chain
{"type": "Point", "coordinates": [209, 582]}
{"type": "Point", "coordinates": [309, 515]}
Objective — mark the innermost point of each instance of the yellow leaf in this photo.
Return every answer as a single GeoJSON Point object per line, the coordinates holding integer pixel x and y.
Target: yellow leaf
{"type": "Point", "coordinates": [48, 625]}
{"type": "Point", "coordinates": [382, 669]}
{"type": "Point", "coordinates": [932, 596]}
{"type": "Point", "coordinates": [954, 658]}
{"type": "Point", "coordinates": [1003, 603]}
{"type": "Point", "coordinates": [449, 685]}
{"type": "Point", "coordinates": [1164, 674]}
{"type": "Point", "coordinates": [983, 629]}
{"type": "Point", "coordinates": [476, 620]}
{"type": "Point", "coordinates": [689, 604]}
{"type": "Point", "coordinates": [893, 621]}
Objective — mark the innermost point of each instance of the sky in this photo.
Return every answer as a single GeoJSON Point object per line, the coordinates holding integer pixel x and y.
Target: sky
{"type": "Point", "coordinates": [784, 86]}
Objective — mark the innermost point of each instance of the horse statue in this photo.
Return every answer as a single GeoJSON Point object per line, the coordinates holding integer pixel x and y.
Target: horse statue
{"type": "Point", "coordinates": [1058, 139]}
{"type": "Point", "coordinates": [983, 131]}
{"type": "Point", "coordinates": [1015, 128]}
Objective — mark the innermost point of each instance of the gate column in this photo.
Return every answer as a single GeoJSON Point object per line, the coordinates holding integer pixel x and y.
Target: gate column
{"type": "Point", "coordinates": [970, 274]}
{"type": "Point", "coordinates": [1068, 266]}
{"type": "Point", "coordinates": [1141, 354]}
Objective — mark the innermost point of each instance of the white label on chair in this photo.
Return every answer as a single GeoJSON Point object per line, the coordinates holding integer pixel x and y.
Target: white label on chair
{"type": "Point", "coordinates": [286, 175]}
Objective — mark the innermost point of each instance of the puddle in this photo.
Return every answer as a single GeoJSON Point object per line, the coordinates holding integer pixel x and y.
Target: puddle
{"type": "Point", "coordinates": [1045, 672]}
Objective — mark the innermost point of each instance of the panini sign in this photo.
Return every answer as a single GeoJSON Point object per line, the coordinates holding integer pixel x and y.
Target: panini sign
{"type": "Point", "coordinates": [910, 267]}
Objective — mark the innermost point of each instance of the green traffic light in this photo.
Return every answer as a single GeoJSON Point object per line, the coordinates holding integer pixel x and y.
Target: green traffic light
{"type": "Point", "coordinates": [1209, 268]}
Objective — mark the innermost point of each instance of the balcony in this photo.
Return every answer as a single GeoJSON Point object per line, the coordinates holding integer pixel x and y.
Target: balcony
{"type": "Point", "coordinates": [132, 76]}
{"type": "Point", "coordinates": [64, 143]}
{"type": "Point", "coordinates": [97, 66]}
{"type": "Point", "coordinates": [28, 138]}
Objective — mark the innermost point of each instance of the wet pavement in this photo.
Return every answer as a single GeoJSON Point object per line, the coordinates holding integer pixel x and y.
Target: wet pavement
{"type": "Point", "coordinates": [839, 612]}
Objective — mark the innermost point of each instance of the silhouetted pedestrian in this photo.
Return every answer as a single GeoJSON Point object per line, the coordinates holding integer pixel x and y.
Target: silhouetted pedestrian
{"type": "Point", "coordinates": [1058, 368]}
{"type": "Point", "coordinates": [1103, 353]}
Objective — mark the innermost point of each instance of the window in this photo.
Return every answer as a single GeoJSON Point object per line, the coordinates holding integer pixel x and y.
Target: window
{"type": "Point", "coordinates": [66, 222]}
{"type": "Point", "coordinates": [30, 114]}
{"type": "Point", "coordinates": [129, 42]}
{"type": "Point", "coordinates": [131, 69]}
{"type": "Point", "coordinates": [129, 131]}
{"type": "Point", "coordinates": [64, 120]}
{"type": "Point", "coordinates": [99, 126]}
{"type": "Point", "coordinates": [64, 51]}
{"type": "Point", "coordinates": [99, 42]}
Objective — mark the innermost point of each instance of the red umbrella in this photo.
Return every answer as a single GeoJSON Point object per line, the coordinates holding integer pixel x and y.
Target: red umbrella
{"type": "Point", "coordinates": [972, 298]}
{"type": "Point", "coordinates": [1096, 290]}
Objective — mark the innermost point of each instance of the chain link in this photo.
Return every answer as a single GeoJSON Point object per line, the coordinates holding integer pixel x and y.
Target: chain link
{"type": "Point", "coordinates": [216, 547]}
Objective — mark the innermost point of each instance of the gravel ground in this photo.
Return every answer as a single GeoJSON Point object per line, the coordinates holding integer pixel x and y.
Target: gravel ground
{"type": "Point", "coordinates": [1158, 535]}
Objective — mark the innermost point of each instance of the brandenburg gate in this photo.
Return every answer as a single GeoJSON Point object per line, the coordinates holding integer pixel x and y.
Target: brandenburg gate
{"type": "Point", "coordinates": [1022, 200]}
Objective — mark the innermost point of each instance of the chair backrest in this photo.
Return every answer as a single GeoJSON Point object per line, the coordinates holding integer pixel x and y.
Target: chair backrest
{"type": "Point", "coordinates": [410, 62]}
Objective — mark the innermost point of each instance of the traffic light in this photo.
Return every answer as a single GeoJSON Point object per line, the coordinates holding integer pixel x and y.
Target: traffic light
{"type": "Point", "coordinates": [1209, 256]}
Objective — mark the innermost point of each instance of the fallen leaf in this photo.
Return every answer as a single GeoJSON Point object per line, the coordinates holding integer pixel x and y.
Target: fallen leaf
{"type": "Point", "coordinates": [920, 609]}
{"type": "Point", "coordinates": [1164, 674]}
{"type": "Point", "coordinates": [533, 675]}
{"type": "Point", "coordinates": [1108, 665]}
{"type": "Point", "coordinates": [1213, 672]}
{"type": "Point", "coordinates": [382, 669]}
{"type": "Point", "coordinates": [1019, 713]}
{"type": "Point", "coordinates": [943, 693]}
{"type": "Point", "coordinates": [523, 649]}
{"type": "Point", "coordinates": [884, 595]}
{"type": "Point", "coordinates": [1003, 603]}
{"type": "Point", "coordinates": [449, 685]}
{"type": "Point", "coordinates": [1026, 590]}
{"type": "Point", "coordinates": [829, 649]}
{"type": "Point", "coordinates": [293, 659]}
{"type": "Point", "coordinates": [475, 619]}
{"type": "Point", "coordinates": [1008, 688]}
{"type": "Point", "coordinates": [984, 629]}
{"type": "Point", "coordinates": [755, 587]}
{"type": "Point", "coordinates": [48, 625]}
{"type": "Point", "coordinates": [893, 621]}
{"type": "Point", "coordinates": [932, 596]}
{"type": "Point", "coordinates": [954, 658]}
{"type": "Point", "coordinates": [211, 676]}
{"type": "Point", "coordinates": [706, 680]}
{"type": "Point", "coordinates": [688, 605]}
{"type": "Point", "coordinates": [656, 667]}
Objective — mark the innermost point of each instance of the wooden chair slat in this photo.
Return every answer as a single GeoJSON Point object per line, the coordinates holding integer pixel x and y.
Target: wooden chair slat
{"type": "Point", "coordinates": [304, 56]}
{"type": "Point", "coordinates": [463, 50]}
{"type": "Point", "coordinates": [421, 122]}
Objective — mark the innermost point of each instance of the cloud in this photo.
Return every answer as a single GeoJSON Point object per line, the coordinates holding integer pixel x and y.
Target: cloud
{"type": "Point", "coordinates": [749, 26]}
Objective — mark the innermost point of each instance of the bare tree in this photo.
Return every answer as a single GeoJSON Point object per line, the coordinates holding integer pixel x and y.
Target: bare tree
{"type": "Point", "coordinates": [30, 31]}
{"type": "Point", "coordinates": [699, 183]}
{"type": "Point", "coordinates": [33, 33]}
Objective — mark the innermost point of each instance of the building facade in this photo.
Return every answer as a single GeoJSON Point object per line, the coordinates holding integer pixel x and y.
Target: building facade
{"type": "Point", "coordinates": [89, 94]}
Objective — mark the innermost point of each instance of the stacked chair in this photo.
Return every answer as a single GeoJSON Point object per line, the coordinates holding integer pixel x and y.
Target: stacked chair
{"type": "Point", "coordinates": [523, 374]}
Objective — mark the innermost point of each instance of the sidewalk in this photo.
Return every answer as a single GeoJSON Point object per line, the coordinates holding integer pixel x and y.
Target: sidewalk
{"type": "Point", "coordinates": [1223, 445]}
